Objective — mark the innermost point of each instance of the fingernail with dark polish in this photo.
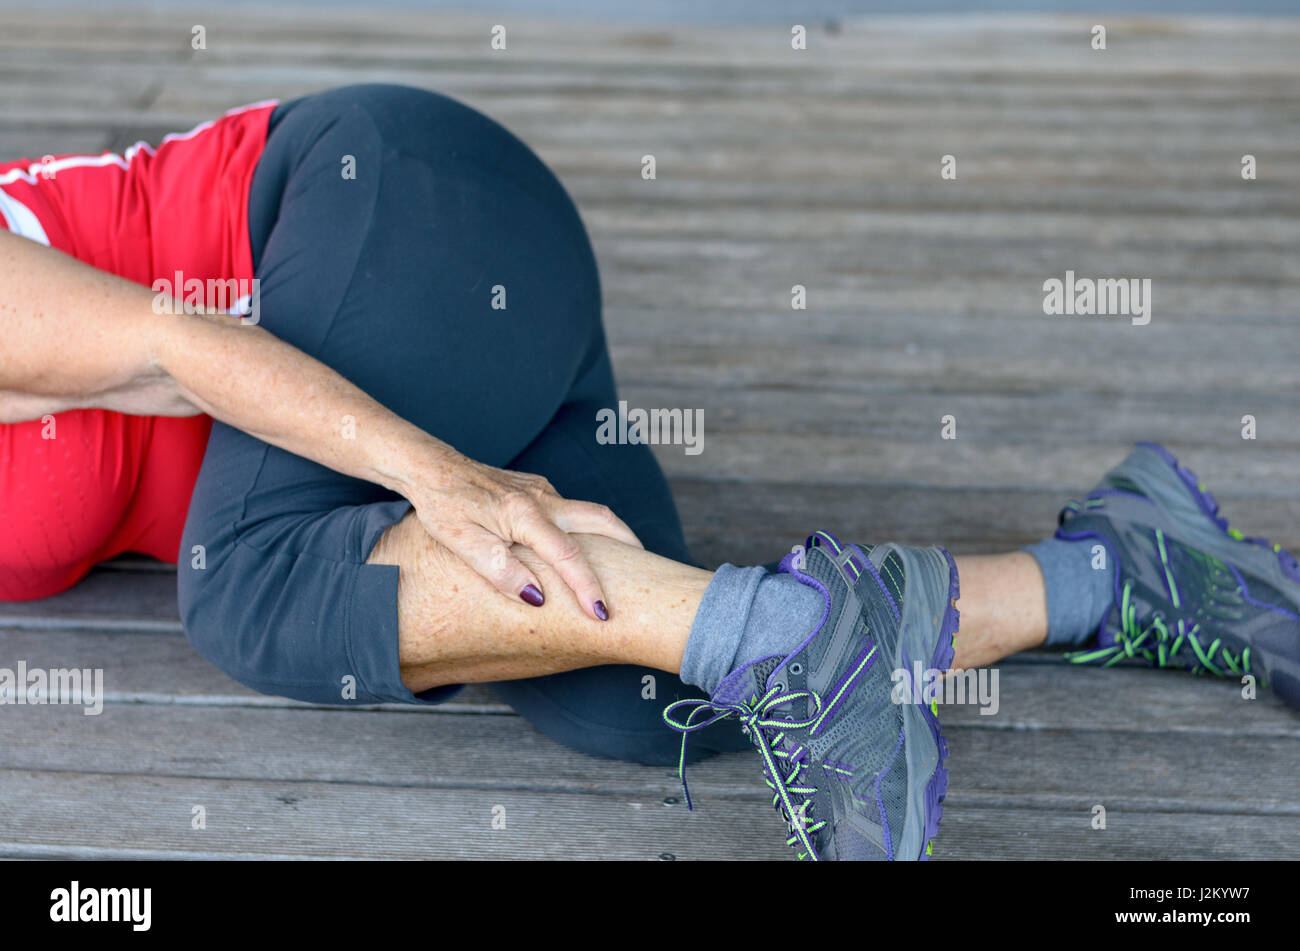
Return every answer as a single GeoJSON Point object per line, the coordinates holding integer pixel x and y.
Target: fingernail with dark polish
{"type": "Point", "coordinates": [601, 612]}
{"type": "Point", "coordinates": [532, 595]}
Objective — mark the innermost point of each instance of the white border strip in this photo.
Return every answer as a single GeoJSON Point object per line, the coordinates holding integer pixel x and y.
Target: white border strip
{"type": "Point", "coordinates": [48, 169]}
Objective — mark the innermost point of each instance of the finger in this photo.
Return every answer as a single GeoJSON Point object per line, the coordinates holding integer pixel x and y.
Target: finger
{"type": "Point", "coordinates": [593, 519]}
{"type": "Point", "coordinates": [490, 556]}
{"type": "Point", "coordinates": [561, 552]}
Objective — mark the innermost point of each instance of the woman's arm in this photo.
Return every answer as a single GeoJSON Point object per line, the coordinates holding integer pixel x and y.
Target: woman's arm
{"type": "Point", "coordinates": [73, 336]}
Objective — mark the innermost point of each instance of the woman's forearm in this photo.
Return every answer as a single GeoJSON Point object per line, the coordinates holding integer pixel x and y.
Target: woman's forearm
{"type": "Point", "coordinates": [72, 336]}
{"type": "Point", "coordinates": [249, 379]}
{"type": "Point", "coordinates": [67, 330]}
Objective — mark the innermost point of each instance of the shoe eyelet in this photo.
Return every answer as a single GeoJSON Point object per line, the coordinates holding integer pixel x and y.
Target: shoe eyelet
{"type": "Point", "coordinates": [796, 669]}
{"type": "Point", "coordinates": [780, 687]}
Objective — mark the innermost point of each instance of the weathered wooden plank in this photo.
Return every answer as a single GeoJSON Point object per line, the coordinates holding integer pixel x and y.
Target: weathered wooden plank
{"type": "Point", "coordinates": [1176, 770]}
{"type": "Point", "coordinates": [886, 405]}
{"type": "Point", "coordinates": [135, 601]}
{"type": "Point", "coordinates": [900, 156]}
{"type": "Point", "coordinates": [925, 342]}
{"type": "Point", "coordinates": [726, 97]}
{"type": "Point", "coordinates": [41, 812]}
{"type": "Point", "coordinates": [1110, 213]}
{"type": "Point", "coordinates": [1050, 696]}
{"type": "Point", "coordinates": [1019, 43]}
{"type": "Point", "coordinates": [752, 278]}
{"type": "Point", "coordinates": [748, 259]}
{"type": "Point", "coordinates": [956, 58]}
{"type": "Point", "coordinates": [946, 463]}
{"type": "Point", "coordinates": [1150, 135]}
{"type": "Point", "coordinates": [974, 834]}
{"type": "Point", "coordinates": [1010, 833]}
{"type": "Point", "coordinates": [634, 211]}
{"type": "Point", "coordinates": [35, 143]}
{"type": "Point", "coordinates": [108, 813]}
{"type": "Point", "coordinates": [746, 523]}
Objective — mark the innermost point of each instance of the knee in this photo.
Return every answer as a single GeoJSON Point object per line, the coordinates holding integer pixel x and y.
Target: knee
{"type": "Point", "coordinates": [446, 132]}
{"type": "Point", "coordinates": [413, 119]}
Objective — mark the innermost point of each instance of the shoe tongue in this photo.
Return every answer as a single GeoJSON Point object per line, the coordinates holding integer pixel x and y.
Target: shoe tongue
{"type": "Point", "coordinates": [747, 681]}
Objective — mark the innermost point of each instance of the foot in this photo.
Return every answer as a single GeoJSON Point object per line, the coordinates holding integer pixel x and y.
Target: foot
{"type": "Point", "coordinates": [1190, 592]}
{"type": "Point", "coordinates": [854, 774]}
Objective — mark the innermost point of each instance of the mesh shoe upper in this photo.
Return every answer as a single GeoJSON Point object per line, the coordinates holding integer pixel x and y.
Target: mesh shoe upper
{"type": "Point", "coordinates": [849, 768]}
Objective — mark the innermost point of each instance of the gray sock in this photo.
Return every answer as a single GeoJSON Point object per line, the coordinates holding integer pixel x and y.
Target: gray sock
{"type": "Point", "coordinates": [746, 614]}
{"type": "Point", "coordinates": [1077, 593]}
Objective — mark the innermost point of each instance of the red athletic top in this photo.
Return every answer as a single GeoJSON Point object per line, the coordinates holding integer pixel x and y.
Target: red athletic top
{"type": "Point", "coordinates": [83, 486]}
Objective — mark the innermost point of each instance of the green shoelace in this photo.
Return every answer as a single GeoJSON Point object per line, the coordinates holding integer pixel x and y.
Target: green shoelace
{"type": "Point", "coordinates": [1160, 646]}
{"type": "Point", "coordinates": [768, 734]}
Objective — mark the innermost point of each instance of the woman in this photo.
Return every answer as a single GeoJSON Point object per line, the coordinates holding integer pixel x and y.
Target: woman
{"type": "Point", "coordinates": [402, 490]}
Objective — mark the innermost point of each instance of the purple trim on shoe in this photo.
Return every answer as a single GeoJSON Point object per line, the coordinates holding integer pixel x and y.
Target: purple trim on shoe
{"type": "Point", "coordinates": [787, 566]}
{"type": "Point", "coordinates": [1245, 593]}
{"type": "Point", "coordinates": [945, 650]}
{"type": "Point", "coordinates": [937, 789]}
{"type": "Point", "coordinates": [728, 692]}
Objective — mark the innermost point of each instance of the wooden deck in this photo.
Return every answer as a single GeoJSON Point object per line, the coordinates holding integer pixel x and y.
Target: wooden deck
{"type": "Point", "coordinates": [774, 168]}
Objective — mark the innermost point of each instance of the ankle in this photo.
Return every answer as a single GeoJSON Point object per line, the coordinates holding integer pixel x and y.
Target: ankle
{"type": "Point", "coordinates": [1003, 608]}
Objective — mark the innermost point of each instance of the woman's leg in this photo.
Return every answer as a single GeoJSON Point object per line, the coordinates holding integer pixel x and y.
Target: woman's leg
{"type": "Point", "coordinates": [389, 276]}
{"type": "Point", "coordinates": [1003, 608]}
{"type": "Point", "coordinates": [386, 224]}
{"type": "Point", "coordinates": [455, 628]}
{"type": "Point", "coordinates": [422, 251]}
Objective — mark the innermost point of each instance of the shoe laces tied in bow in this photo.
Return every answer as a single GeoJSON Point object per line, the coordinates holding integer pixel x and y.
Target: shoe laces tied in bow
{"type": "Point", "coordinates": [768, 733]}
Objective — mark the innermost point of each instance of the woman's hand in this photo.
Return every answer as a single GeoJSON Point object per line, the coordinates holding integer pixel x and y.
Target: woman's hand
{"type": "Point", "coordinates": [478, 512]}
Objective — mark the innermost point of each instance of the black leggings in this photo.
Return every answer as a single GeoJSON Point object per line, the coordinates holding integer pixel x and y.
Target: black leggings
{"type": "Point", "coordinates": [388, 277]}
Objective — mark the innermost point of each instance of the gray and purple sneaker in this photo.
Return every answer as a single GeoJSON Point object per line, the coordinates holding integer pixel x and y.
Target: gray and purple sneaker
{"type": "Point", "coordinates": [1190, 592]}
{"type": "Point", "coordinates": [855, 765]}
